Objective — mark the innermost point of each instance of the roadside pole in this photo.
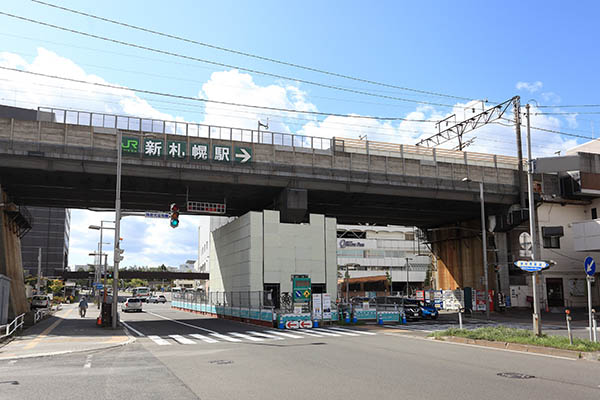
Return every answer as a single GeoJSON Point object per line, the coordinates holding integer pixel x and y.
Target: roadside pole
{"type": "Point", "coordinates": [589, 290]}
{"type": "Point", "coordinates": [117, 250]}
{"type": "Point", "coordinates": [537, 321]}
{"type": "Point", "coordinates": [39, 274]}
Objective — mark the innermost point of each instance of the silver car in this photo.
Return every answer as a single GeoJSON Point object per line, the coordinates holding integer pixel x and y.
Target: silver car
{"type": "Point", "coordinates": [132, 304]}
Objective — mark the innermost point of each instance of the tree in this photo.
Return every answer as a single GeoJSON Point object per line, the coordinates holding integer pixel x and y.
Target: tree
{"type": "Point", "coordinates": [55, 286]}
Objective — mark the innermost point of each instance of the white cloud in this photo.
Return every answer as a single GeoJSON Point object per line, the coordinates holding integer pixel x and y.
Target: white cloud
{"type": "Point", "coordinates": [531, 87]}
{"type": "Point", "coordinates": [24, 90]}
{"type": "Point", "coordinates": [236, 87]}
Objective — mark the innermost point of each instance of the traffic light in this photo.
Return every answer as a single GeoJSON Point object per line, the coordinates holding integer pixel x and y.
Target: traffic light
{"type": "Point", "coordinates": [109, 275]}
{"type": "Point", "coordinates": [118, 257]}
{"type": "Point", "coordinates": [174, 215]}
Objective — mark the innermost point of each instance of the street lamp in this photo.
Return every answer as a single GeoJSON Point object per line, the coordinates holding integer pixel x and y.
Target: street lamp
{"type": "Point", "coordinates": [101, 228]}
{"type": "Point", "coordinates": [484, 245]}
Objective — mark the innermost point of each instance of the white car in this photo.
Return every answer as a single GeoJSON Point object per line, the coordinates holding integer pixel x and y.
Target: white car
{"type": "Point", "coordinates": [157, 299]}
{"type": "Point", "coordinates": [40, 301]}
{"type": "Point", "coordinates": [132, 304]}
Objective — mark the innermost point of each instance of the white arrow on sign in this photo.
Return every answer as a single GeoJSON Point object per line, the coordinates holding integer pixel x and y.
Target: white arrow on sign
{"type": "Point", "coordinates": [245, 156]}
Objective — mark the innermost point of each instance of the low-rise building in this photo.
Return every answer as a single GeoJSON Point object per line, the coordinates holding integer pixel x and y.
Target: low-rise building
{"type": "Point", "coordinates": [371, 257]}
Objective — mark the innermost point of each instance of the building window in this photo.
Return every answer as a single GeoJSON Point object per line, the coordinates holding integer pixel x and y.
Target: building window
{"type": "Point", "coordinates": [409, 236]}
{"type": "Point", "coordinates": [594, 213]}
{"type": "Point", "coordinates": [551, 236]}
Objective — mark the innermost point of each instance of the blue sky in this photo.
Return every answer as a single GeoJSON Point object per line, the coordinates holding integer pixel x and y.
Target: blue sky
{"type": "Point", "coordinates": [542, 50]}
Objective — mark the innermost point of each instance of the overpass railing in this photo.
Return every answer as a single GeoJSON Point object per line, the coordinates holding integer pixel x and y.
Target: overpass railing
{"type": "Point", "coordinates": [149, 125]}
{"type": "Point", "coordinates": [337, 144]}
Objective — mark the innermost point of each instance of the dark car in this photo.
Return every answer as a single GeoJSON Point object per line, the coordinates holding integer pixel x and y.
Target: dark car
{"type": "Point", "coordinates": [428, 310]}
{"type": "Point", "coordinates": [391, 303]}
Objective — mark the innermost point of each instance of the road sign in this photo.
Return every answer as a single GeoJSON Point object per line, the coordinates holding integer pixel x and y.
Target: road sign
{"type": "Point", "coordinates": [292, 325]}
{"type": "Point", "coordinates": [306, 324]}
{"type": "Point", "coordinates": [525, 241]}
{"type": "Point", "coordinates": [154, 214]}
{"type": "Point", "coordinates": [531, 266]}
{"type": "Point", "coordinates": [206, 207]}
{"type": "Point", "coordinates": [590, 266]}
{"type": "Point", "coordinates": [243, 155]}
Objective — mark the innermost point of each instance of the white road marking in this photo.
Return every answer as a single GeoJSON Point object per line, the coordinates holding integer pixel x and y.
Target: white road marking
{"type": "Point", "coordinates": [284, 334]}
{"type": "Point", "coordinates": [327, 333]}
{"type": "Point", "coordinates": [181, 323]}
{"type": "Point", "coordinates": [12, 362]}
{"type": "Point", "coordinates": [133, 329]}
{"type": "Point", "coordinates": [341, 332]}
{"type": "Point", "coordinates": [264, 335]}
{"type": "Point", "coordinates": [351, 330]}
{"type": "Point", "coordinates": [203, 338]}
{"type": "Point", "coordinates": [241, 335]}
{"type": "Point", "coordinates": [182, 339]}
{"type": "Point", "coordinates": [88, 362]}
{"type": "Point", "coordinates": [229, 339]}
{"type": "Point", "coordinates": [158, 340]}
{"type": "Point", "coordinates": [305, 332]}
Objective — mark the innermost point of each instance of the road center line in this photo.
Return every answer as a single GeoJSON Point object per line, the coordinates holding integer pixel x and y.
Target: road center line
{"type": "Point", "coordinates": [132, 329]}
{"type": "Point", "coordinates": [182, 323]}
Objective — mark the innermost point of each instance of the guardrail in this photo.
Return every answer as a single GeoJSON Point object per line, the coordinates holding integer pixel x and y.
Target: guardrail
{"type": "Point", "coordinates": [17, 323]}
{"type": "Point", "coordinates": [338, 144]}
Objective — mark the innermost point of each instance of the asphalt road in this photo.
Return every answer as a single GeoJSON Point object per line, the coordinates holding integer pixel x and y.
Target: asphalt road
{"type": "Point", "coordinates": [179, 355]}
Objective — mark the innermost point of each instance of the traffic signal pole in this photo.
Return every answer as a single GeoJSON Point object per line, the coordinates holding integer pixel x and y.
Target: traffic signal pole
{"type": "Point", "coordinates": [117, 252]}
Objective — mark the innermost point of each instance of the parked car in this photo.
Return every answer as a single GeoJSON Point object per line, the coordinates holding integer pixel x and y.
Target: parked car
{"type": "Point", "coordinates": [412, 310]}
{"type": "Point", "coordinates": [428, 310]}
{"type": "Point", "coordinates": [132, 304]}
{"type": "Point", "coordinates": [392, 303]}
{"type": "Point", "coordinates": [157, 299]}
{"type": "Point", "coordinates": [40, 301]}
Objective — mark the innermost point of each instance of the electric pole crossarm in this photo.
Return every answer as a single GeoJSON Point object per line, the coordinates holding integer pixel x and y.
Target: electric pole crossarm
{"type": "Point", "coordinates": [460, 128]}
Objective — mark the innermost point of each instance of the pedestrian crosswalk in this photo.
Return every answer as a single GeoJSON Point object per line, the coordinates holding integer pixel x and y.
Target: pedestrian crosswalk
{"type": "Point", "coordinates": [255, 336]}
{"type": "Point", "coordinates": [434, 327]}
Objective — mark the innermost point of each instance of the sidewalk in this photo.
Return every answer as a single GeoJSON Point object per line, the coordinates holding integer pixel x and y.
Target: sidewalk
{"type": "Point", "coordinates": [65, 332]}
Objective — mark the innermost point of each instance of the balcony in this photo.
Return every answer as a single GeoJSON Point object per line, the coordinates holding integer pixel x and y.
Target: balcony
{"type": "Point", "coordinates": [586, 235]}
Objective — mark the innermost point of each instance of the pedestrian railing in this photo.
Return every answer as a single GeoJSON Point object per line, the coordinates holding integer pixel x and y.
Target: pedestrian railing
{"type": "Point", "coordinates": [17, 323]}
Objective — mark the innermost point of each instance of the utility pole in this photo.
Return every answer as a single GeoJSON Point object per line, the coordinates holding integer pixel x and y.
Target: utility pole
{"type": "Point", "coordinates": [39, 274]}
{"type": "Point", "coordinates": [537, 321]}
{"type": "Point", "coordinates": [117, 252]}
{"type": "Point", "coordinates": [484, 244]}
{"type": "Point", "coordinates": [517, 112]}
{"type": "Point", "coordinates": [407, 281]}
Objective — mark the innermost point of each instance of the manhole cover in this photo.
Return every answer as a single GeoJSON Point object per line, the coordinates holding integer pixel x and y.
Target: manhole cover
{"type": "Point", "coordinates": [318, 343]}
{"type": "Point", "coordinates": [10, 382]}
{"type": "Point", "coordinates": [220, 362]}
{"type": "Point", "coordinates": [515, 375]}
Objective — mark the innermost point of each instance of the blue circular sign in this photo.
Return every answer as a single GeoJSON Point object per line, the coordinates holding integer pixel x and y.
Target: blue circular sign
{"type": "Point", "coordinates": [589, 266]}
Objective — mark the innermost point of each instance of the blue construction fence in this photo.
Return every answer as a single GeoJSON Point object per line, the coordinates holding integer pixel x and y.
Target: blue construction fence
{"type": "Point", "coordinates": [258, 307]}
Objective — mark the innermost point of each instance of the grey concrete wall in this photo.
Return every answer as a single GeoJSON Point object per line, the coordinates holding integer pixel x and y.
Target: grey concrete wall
{"type": "Point", "coordinates": [236, 252]}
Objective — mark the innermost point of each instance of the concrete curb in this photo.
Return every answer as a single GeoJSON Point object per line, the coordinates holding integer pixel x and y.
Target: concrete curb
{"type": "Point", "coordinates": [58, 353]}
{"type": "Point", "coordinates": [525, 348]}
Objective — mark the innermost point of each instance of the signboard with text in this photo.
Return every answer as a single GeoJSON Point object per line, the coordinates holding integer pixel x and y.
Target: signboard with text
{"type": "Point", "coordinates": [152, 147]}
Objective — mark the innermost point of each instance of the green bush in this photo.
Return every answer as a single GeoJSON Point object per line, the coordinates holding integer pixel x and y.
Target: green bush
{"type": "Point", "coordinates": [522, 336]}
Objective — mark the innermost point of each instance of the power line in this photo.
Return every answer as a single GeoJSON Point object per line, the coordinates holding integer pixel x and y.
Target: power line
{"type": "Point", "coordinates": [106, 85]}
{"type": "Point", "coordinates": [571, 106]}
{"type": "Point", "coordinates": [569, 113]}
{"type": "Point", "coordinates": [178, 55]}
{"type": "Point", "coordinates": [192, 80]}
{"type": "Point", "coordinates": [245, 54]}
